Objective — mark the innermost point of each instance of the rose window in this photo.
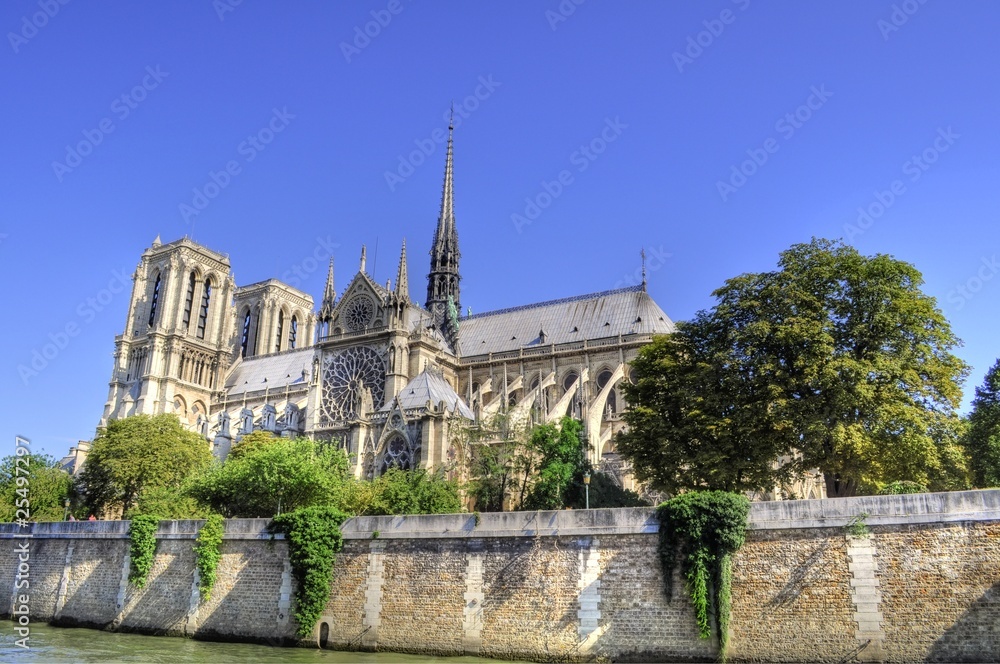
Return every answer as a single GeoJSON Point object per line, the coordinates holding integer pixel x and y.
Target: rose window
{"type": "Point", "coordinates": [346, 377]}
{"type": "Point", "coordinates": [359, 313]}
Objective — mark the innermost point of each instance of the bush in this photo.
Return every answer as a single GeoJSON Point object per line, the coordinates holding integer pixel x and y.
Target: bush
{"type": "Point", "coordinates": [900, 488]}
{"type": "Point", "coordinates": [271, 477]}
{"type": "Point", "coordinates": [403, 492]}
{"type": "Point", "coordinates": [168, 502]}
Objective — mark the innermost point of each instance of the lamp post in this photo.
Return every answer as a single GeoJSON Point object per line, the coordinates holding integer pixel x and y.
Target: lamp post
{"type": "Point", "coordinates": [66, 513]}
{"type": "Point", "coordinates": [586, 488]}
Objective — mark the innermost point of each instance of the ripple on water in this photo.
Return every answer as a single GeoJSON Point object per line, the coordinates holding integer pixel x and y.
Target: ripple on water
{"type": "Point", "coordinates": [67, 644]}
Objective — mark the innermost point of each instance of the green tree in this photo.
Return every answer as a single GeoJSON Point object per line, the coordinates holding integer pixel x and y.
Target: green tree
{"type": "Point", "coordinates": [168, 502]}
{"type": "Point", "coordinates": [42, 492]}
{"type": "Point", "coordinates": [686, 427]}
{"type": "Point", "coordinates": [137, 454]}
{"type": "Point", "coordinates": [560, 457]}
{"type": "Point", "coordinates": [982, 438]}
{"type": "Point", "coordinates": [404, 492]}
{"type": "Point", "coordinates": [834, 361]}
{"type": "Point", "coordinates": [500, 462]}
{"type": "Point", "coordinates": [281, 476]}
{"type": "Point", "coordinates": [254, 440]}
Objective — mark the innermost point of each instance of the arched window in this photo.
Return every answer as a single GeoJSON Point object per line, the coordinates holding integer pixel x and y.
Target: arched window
{"type": "Point", "coordinates": [189, 301]}
{"type": "Point", "coordinates": [245, 340]}
{"type": "Point", "coordinates": [281, 331]}
{"type": "Point", "coordinates": [397, 455]}
{"type": "Point", "coordinates": [205, 301]}
{"type": "Point", "coordinates": [603, 379]}
{"type": "Point", "coordinates": [569, 380]}
{"type": "Point", "coordinates": [155, 300]}
{"type": "Point", "coordinates": [293, 331]}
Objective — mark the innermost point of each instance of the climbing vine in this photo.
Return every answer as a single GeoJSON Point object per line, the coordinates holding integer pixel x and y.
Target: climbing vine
{"type": "Point", "coordinates": [702, 530]}
{"type": "Point", "coordinates": [314, 539]}
{"type": "Point", "coordinates": [206, 548]}
{"type": "Point", "coordinates": [142, 548]}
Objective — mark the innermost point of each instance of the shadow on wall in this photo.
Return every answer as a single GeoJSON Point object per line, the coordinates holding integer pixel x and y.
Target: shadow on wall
{"type": "Point", "coordinates": [244, 604]}
{"type": "Point", "coordinates": [158, 608]}
{"type": "Point", "coordinates": [92, 587]}
{"type": "Point", "coordinates": [975, 636]}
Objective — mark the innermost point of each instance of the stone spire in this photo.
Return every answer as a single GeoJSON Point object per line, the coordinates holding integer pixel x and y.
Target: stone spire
{"type": "Point", "coordinates": [643, 255]}
{"type": "Point", "coordinates": [329, 297]}
{"type": "Point", "coordinates": [402, 280]}
{"type": "Point", "coordinates": [442, 282]}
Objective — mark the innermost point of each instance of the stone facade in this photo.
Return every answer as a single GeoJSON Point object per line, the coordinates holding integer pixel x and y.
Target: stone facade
{"type": "Point", "coordinates": [569, 586]}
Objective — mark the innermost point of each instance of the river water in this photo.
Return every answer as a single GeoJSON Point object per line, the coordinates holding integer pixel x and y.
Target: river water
{"type": "Point", "coordinates": [63, 644]}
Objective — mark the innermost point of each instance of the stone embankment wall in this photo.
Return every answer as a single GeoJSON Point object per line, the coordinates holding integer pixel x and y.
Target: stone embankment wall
{"type": "Point", "coordinates": [572, 585]}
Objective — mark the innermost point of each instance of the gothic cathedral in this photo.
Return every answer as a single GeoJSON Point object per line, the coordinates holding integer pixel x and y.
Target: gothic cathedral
{"type": "Point", "coordinates": [371, 371]}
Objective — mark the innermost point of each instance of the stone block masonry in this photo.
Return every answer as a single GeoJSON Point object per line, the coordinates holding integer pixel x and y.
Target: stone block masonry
{"type": "Point", "coordinates": [578, 585]}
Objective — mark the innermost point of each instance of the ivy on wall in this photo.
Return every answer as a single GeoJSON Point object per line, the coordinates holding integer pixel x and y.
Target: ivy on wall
{"type": "Point", "coordinates": [314, 539]}
{"type": "Point", "coordinates": [142, 547]}
{"type": "Point", "coordinates": [702, 530]}
{"type": "Point", "coordinates": [206, 549]}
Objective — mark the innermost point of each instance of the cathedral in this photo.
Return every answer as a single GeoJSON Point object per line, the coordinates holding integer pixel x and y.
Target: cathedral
{"type": "Point", "coordinates": [386, 378]}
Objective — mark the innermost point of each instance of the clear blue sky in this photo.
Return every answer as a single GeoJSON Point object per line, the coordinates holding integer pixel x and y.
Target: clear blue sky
{"type": "Point", "coordinates": [884, 89]}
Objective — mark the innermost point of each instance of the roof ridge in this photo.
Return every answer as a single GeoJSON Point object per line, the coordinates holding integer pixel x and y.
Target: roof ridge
{"type": "Point", "coordinates": [575, 298]}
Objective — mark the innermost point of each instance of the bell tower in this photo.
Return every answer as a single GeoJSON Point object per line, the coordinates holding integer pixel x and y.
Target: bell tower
{"type": "Point", "coordinates": [175, 349]}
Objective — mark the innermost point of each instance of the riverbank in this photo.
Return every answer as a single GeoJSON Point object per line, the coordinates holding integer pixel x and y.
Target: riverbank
{"type": "Point", "coordinates": [571, 585]}
{"type": "Point", "coordinates": [71, 645]}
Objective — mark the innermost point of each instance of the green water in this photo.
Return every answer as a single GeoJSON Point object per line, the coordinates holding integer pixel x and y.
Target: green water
{"type": "Point", "coordinates": [63, 644]}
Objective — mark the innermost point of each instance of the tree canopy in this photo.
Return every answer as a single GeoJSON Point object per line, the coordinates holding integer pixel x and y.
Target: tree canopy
{"type": "Point", "coordinates": [271, 476]}
{"type": "Point", "coordinates": [137, 454]}
{"type": "Point", "coordinates": [403, 492]}
{"type": "Point", "coordinates": [835, 360]}
{"type": "Point", "coordinates": [982, 439]}
{"type": "Point", "coordinates": [42, 493]}
{"type": "Point", "coordinates": [559, 452]}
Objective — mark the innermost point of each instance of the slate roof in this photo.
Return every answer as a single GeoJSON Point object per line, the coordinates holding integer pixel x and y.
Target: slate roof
{"type": "Point", "coordinates": [607, 314]}
{"type": "Point", "coordinates": [280, 369]}
{"type": "Point", "coordinates": [429, 386]}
